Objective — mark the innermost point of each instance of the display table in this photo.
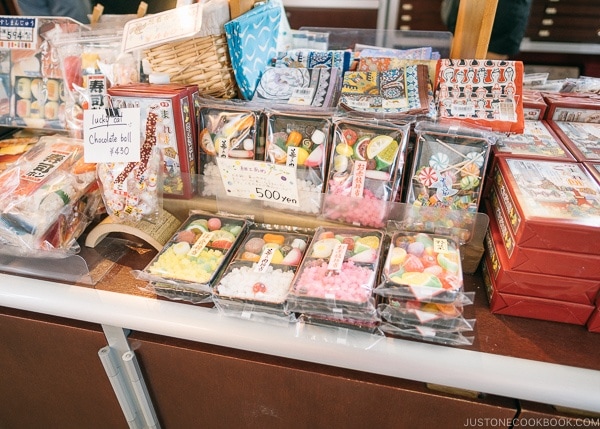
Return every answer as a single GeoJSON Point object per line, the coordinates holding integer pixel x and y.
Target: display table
{"type": "Point", "coordinates": [544, 362]}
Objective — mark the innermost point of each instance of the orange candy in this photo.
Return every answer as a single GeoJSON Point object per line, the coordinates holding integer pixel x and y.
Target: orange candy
{"type": "Point", "coordinates": [274, 238]}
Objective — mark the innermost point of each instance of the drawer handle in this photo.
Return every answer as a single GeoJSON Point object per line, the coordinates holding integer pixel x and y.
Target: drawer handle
{"type": "Point", "coordinates": [405, 27]}
{"type": "Point", "coordinates": [551, 10]}
{"type": "Point", "coordinates": [406, 18]}
{"type": "Point", "coordinates": [407, 6]}
{"type": "Point", "coordinates": [544, 33]}
{"type": "Point", "coordinates": [547, 22]}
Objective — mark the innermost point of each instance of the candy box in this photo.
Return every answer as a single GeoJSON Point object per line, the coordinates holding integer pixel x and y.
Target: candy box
{"type": "Point", "coordinates": [573, 107]}
{"type": "Point", "coordinates": [422, 267]}
{"type": "Point", "coordinates": [338, 274]}
{"type": "Point", "coordinates": [263, 268]}
{"type": "Point", "coordinates": [226, 131]}
{"type": "Point", "coordinates": [412, 313]}
{"type": "Point", "coordinates": [550, 205]}
{"type": "Point", "coordinates": [539, 261]}
{"type": "Point", "coordinates": [592, 167]}
{"type": "Point", "coordinates": [196, 254]}
{"type": "Point", "coordinates": [581, 138]}
{"type": "Point", "coordinates": [539, 284]}
{"type": "Point", "coordinates": [301, 141]}
{"type": "Point", "coordinates": [593, 323]}
{"type": "Point", "coordinates": [365, 171]}
{"type": "Point", "coordinates": [448, 167]}
{"type": "Point", "coordinates": [534, 105]}
{"type": "Point", "coordinates": [173, 130]}
{"type": "Point", "coordinates": [534, 307]}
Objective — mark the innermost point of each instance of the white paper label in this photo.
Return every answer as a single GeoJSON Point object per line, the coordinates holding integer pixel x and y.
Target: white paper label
{"type": "Point", "coordinates": [258, 180]}
{"type": "Point", "coordinates": [111, 138]}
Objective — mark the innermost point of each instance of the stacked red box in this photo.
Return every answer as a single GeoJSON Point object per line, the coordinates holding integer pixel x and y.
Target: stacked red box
{"type": "Point", "coordinates": [573, 107]}
{"type": "Point", "coordinates": [534, 105]}
{"type": "Point", "coordinates": [542, 257]}
{"type": "Point", "coordinates": [176, 132]}
{"type": "Point", "coordinates": [581, 138]}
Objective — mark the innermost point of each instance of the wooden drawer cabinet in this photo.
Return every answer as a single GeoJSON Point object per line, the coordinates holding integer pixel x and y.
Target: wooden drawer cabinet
{"type": "Point", "coordinates": [565, 21]}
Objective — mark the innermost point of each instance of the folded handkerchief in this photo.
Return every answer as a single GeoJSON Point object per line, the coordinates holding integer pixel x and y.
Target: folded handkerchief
{"type": "Point", "coordinates": [252, 42]}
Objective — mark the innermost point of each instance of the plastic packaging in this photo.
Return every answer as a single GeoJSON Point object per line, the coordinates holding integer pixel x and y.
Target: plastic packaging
{"type": "Point", "coordinates": [365, 171]}
{"type": "Point", "coordinates": [49, 197]}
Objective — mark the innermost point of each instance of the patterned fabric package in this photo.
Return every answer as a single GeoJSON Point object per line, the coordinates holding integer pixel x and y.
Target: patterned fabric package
{"type": "Point", "coordinates": [252, 41]}
{"type": "Point", "coordinates": [394, 91]}
{"type": "Point", "coordinates": [314, 87]}
{"type": "Point", "coordinates": [306, 58]}
{"type": "Point", "coordinates": [487, 93]}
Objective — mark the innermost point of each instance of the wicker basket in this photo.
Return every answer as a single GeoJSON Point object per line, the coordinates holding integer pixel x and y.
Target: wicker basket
{"type": "Point", "coordinates": [203, 61]}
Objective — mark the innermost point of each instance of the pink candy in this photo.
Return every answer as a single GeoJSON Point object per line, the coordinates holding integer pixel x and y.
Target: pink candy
{"type": "Point", "coordinates": [368, 211]}
{"type": "Point", "coordinates": [353, 283]}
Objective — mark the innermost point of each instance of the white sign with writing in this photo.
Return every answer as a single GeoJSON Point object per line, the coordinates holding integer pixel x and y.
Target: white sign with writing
{"type": "Point", "coordinates": [258, 180]}
{"type": "Point", "coordinates": [111, 136]}
{"type": "Point", "coordinates": [156, 29]}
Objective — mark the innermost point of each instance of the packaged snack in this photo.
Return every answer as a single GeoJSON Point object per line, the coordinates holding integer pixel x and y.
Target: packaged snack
{"type": "Point", "coordinates": [338, 274]}
{"type": "Point", "coordinates": [226, 130]}
{"type": "Point", "coordinates": [191, 261]}
{"type": "Point", "coordinates": [448, 166]}
{"type": "Point", "coordinates": [365, 171]}
{"type": "Point", "coordinates": [261, 272]}
{"type": "Point", "coordinates": [302, 141]}
{"type": "Point", "coordinates": [32, 88]}
{"type": "Point", "coordinates": [50, 196]}
{"type": "Point", "coordinates": [422, 267]}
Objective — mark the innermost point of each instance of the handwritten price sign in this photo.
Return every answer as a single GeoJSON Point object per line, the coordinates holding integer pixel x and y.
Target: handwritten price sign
{"type": "Point", "coordinates": [111, 138]}
{"type": "Point", "coordinates": [257, 180]}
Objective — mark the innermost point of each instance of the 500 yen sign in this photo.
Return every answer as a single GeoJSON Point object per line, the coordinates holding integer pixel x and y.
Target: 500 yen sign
{"type": "Point", "coordinates": [267, 194]}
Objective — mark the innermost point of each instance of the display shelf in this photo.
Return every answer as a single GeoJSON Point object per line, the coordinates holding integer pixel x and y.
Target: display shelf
{"type": "Point", "coordinates": [516, 358]}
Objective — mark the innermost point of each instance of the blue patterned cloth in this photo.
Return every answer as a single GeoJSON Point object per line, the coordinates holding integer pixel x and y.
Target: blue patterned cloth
{"type": "Point", "coordinates": [252, 43]}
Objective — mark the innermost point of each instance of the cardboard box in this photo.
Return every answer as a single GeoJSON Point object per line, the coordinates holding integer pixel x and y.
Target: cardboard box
{"type": "Point", "coordinates": [581, 138]}
{"type": "Point", "coordinates": [174, 132]}
{"type": "Point", "coordinates": [534, 307]}
{"type": "Point", "coordinates": [540, 285]}
{"type": "Point", "coordinates": [539, 261]}
{"type": "Point", "coordinates": [549, 205]}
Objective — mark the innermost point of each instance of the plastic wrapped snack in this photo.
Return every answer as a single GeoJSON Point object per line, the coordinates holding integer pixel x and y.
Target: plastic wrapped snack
{"type": "Point", "coordinates": [338, 275]}
{"type": "Point", "coordinates": [228, 131]}
{"type": "Point", "coordinates": [301, 141]}
{"type": "Point", "coordinates": [262, 271]}
{"type": "Point", "coordinates": [365, 171]}
{"type": "Point", "coordinates": [449, 166]}
{"type": "Point", "coordinates": [193, 258]}
{"type": "Point", "coordinates": [92, 62]}
{"type": "Point", "coordinates": [49, 196]}
{"type": "Point", "coordinates": [422, 267]}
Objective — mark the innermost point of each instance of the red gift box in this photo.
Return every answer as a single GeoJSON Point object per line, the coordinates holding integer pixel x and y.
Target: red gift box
{"type": "Point", "coordinates": [594, 169]}
{"type": "Point", "coordinates": [573, 107]}
{"type": "Point", "coordinates": [549, 205]}
{"type": "Point", "coordinates": [534, 105]}
{"type": "Point", "coordinates": [581, 138]}
{"type": "Point", "coordinates": [534, 307]}
{"type": "Point", "coordinates": [593, 323]}
{"type": "Point", "coordinates": [541, 285]}
{"type": "Point", "coordinates": [175, 131]}
{"type": "Point", "coordinates": [539, 261]}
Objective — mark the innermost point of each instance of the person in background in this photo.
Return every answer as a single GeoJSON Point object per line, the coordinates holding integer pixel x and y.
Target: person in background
{"type": "Point", "coordinates": [509, 27]}
{"type": "Point", "coordinates": [76, 9]}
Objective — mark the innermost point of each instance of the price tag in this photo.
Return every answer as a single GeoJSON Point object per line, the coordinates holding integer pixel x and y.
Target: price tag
{"type": "Point", "coordinates": [111, 136]}
{"type": "Point", "coordinates": [18, 33]}
{"type": "Point", "coordinates": [257, 180]}
{"type": "Point", "coordinates": [156, 29]}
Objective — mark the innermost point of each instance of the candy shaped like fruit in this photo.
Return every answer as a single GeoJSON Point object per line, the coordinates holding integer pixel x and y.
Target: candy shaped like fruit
{"type": "Point", "coordinates": [315, 158]}
{"type": "Point", "coordinates": [449, 261]}
{"type": "Point", "coordinates": [366, 256]}
{"type": "Point", "coordinates": [397, 255]}
{"type": "Point", "coordinates": [422, 279]}
{"type": "Point", "coordinates": [214, 223]}
{"type": "Point", "coordinates": [323, 248]}
{"type": "Point", "coordinates": [254, 245]}
{"type": "Point", "coordinates": [293, 257]}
